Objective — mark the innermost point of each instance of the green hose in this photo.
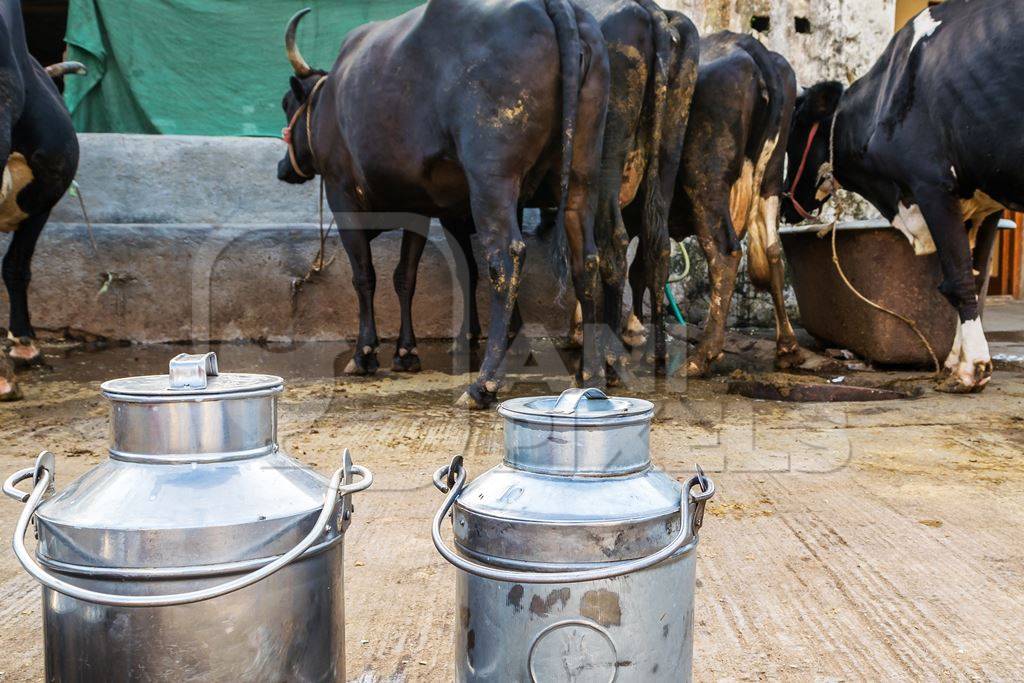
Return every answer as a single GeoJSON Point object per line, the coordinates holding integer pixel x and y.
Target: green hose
{"type": "Point", "coordinates": [672, 303]}
{"type": "Point", "coordinates": [668, 289]}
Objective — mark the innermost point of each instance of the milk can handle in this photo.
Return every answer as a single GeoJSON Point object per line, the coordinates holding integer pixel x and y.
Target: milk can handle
{"type": "Point", "coordinates": [43, 474]}
{"type": "Point", "coordinates": [451, 479]}
{"type": "Point", "coordinates": [569, 400]}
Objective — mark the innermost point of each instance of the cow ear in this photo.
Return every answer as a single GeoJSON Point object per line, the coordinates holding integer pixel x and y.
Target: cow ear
{"type": "Point", "coordinates": [298, 89]}
{"type": "Point", "coordinates": [820, 100]}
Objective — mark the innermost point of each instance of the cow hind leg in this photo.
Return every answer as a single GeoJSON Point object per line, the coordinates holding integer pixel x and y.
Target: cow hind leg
{"type": "Point", "coordinates": [364, 279]}
{"type": "Point", "coordinates": [581, 205]}
{"type": "Point", "coordinates": [17, 273]}
{"type": "Point", "coordinates": [406, 358]}
{"type": "Point", "coordinates": [941, 211]}
{"type": "Point", "coordinates": [768, 272]}
{"type": "Point", "coordinates": [982, 256]}
{"type": "Point", "coordinates": [634, 335]}
{"type": "Point", "coordinates": [655, 250]}
{"type": "Point", "coordinates": [722, 268]}
{"type": "Point", "coordinates": [494, 203]}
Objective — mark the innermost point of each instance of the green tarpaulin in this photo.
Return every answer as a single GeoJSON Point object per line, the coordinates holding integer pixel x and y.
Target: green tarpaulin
{"type": "Point", "coordinates": [198, 67]}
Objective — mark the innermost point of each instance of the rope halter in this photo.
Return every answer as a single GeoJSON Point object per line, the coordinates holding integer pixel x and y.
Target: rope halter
{"type": "Point", "coordinates": [288, 132]}
{"type": "Point", "coordinates": [827, 173]}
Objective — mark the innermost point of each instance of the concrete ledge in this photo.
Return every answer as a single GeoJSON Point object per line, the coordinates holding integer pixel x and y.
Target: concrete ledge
{"type": "Point", "coordinates": [154, 283]}
{"type": "Point", "coordinates": [185, 179]}
{"type": "Point", "coordinates": [197, 239]}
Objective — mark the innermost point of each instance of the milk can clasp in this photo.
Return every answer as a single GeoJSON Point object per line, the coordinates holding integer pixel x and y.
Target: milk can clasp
{"type": "Point", "coordinates": [190, 370]}
{"type": "Point", "coordinates": [569, 401]}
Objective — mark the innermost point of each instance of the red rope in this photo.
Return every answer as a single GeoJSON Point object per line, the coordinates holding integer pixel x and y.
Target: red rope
{"type": "Point", "coordinates": [799, 174]}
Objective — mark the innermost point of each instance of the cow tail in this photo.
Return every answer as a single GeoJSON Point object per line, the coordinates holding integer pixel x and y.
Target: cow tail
{"type": "Point", "coordinates": [570, 53]}
{"type": "Point", "coordinates": [655, 209]}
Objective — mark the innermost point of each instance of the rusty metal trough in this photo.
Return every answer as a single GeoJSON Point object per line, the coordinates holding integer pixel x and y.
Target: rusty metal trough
{"type": "Point", "coordinates": [881, 264]}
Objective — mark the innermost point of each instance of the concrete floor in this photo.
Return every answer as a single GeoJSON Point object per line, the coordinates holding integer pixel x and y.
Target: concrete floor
{"type": "Point", "coordinates": [873, 541]}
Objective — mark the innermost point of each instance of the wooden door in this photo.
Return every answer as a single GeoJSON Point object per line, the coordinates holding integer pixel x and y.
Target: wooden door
{"type": "Point", "coordinates": [1006, 263]}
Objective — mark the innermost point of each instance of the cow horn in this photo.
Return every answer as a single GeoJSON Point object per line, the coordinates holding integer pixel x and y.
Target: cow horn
{"type": "Point", "coordinates": [63, 68]}
{"type": "Point", "coordinates": [294, 56]}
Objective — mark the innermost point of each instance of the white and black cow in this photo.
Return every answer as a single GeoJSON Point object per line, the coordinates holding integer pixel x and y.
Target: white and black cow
{"type": "Point", "coordinates": [933, 137]}
{"type": "Point", "coordinates": [39, 157]}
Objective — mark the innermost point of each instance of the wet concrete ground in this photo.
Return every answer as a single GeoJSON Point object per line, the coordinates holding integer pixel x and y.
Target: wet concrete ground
{"type": "Point", "coordinates": [872, 541]}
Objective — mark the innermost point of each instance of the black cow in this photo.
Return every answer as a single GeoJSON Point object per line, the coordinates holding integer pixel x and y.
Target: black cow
{"type": "Point", "coordinates": [730, 182]}
{"type": "Point", "coordinates": [39, 158]}
{"type": "Point", "coordinates": [932, 136]}
{"type": "Point", "coordinates": [457, 109]}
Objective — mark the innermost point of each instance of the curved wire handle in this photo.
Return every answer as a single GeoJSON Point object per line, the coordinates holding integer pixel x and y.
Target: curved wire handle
{"type": "Point", "coordinates": [43, 475]}
{"type": "Point", "coordinates": [451, 479]}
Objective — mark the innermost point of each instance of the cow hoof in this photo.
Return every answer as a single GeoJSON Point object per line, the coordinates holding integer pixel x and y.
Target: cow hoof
{"type": "Point", "coordinates": [590, 379]}
{"type": "Point", "coordinates": [634, 339]}
{"type": "Point", "coordinates": [9, 390]}
{"type": "Point", "coordinates": [476, 398]}
{"type": "Point", "coordinates": [696, 368]}
{"type": "Point", "coordinates": [25, 355]}
{"type": "Point", "coordinates": [634, 336]}
{"type": "Point", "coordinates": [792, 358]}
{"type": "Point", "coordinates": [362, 364]}
{"type": "Point", "coordinates": [408, 362]}
{"type": "Point", "coordinates": [615, 368]}
{"type": "Point", "coordinates": [967, 379]}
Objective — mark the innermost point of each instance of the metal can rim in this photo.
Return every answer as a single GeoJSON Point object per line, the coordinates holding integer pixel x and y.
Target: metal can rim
{"type": "Point", "coordinates": [173, 573]}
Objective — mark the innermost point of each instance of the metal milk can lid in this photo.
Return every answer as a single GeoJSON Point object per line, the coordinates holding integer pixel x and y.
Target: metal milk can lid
{"type": "Point", "coordinates": [190, 376]}
{"type": "Point", "coordinates": [582, 432]}
{"type": "Point", "coordinates": [194, 413]}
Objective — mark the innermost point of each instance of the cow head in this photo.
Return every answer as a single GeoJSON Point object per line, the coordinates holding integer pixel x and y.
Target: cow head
{"type": "Point", "coordinates": [298, 164]}
{"type": "Point", "coordinates": [808, 150]}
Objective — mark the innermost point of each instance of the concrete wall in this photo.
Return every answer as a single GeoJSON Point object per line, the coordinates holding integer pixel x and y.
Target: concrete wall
{"type": "Point", "coordinates": [195, 238]}
{"type": "Point", "coordinates": [846, 36]}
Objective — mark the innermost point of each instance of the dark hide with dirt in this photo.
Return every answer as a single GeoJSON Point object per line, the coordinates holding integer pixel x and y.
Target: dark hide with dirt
{"type": "Point", "coordinates": [653, 59]}
{"type": "Point", "coordinates": [458, 109]}
{"type": "Point", "coordinates": [730, 180]}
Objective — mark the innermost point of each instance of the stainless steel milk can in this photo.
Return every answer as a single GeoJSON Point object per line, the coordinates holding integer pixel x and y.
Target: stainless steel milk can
{"type": "Point", "coordinates": [576, 556]}
{"type": "Point", "coordinates": [199, 551]}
